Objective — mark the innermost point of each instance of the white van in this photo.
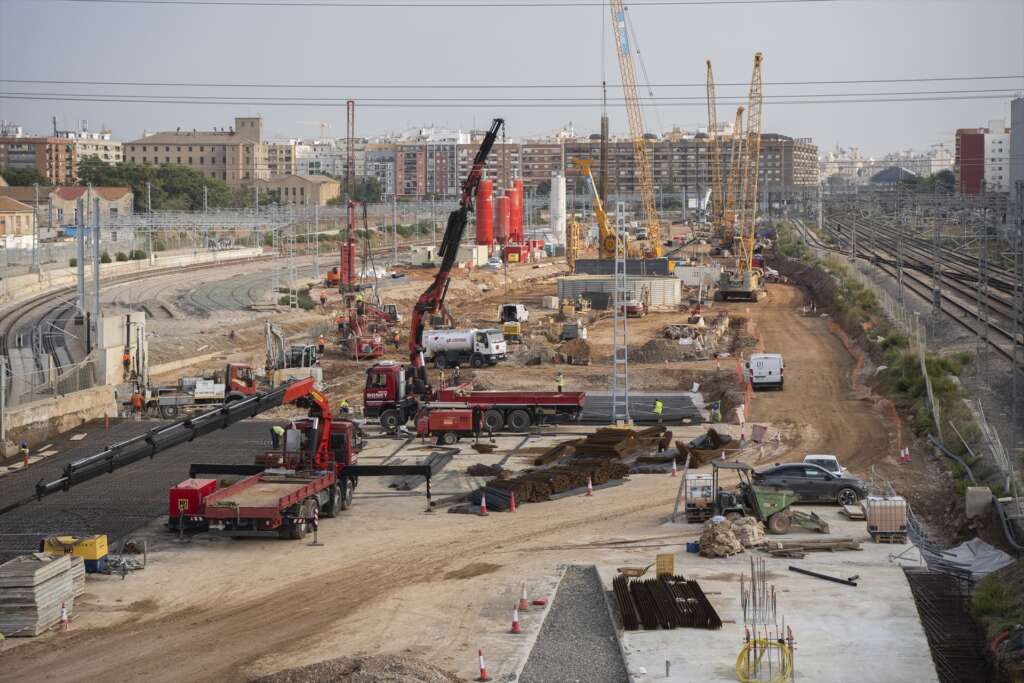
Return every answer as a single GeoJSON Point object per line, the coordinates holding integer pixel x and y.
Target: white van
{"type": "Point", "coordinates": [765, 370]}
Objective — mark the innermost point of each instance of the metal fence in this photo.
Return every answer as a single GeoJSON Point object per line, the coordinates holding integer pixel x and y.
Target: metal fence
{"type": "Point", "coordinates": [27, 381]}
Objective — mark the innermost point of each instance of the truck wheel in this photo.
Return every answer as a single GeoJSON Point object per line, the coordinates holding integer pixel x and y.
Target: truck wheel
{"type": "Point", "coordinates": [440, 362]}
{"type": "Point", "coordinates": [169, 411]}
{"type": "Point", "coordinates": [449, 438]}
{"type": "Point", "coordinates": [297, 529]}
{"type": "Point", "coordinates": [519, 420]}
{"type": "Point", "coordinates": [477, 361]}
{"type": "Point", "coordinates": [389, 420]}
{"type": "Point", "coordinates": [493, 420]}
{"type": "Point", "coordinates": [779, 523]}
{"type": "Point", "coordinates": [345, 502]}
{"type": "Point", "coordinates": [333, 505]}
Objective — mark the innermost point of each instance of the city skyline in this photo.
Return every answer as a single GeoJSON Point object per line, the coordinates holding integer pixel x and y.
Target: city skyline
{"type": "Point", "coordinates": [566, 47]}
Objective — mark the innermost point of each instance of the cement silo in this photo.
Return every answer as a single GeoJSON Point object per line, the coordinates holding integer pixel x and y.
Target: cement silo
{"type": "Point", "coordinates": [558, 207]}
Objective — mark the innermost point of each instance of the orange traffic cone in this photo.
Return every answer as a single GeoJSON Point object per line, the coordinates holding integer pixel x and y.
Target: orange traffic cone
{"type": "Point", "coordinates": [675, 470]}
{"type": "Point", "coordinates": [483, 668]}
{"type": "Point", "coordinates": [590, 486]}
{"type": "Point", "coordinates": [483, 504]}
{"type": "Point", "coordinates": [524, 604]}
{"type": "Point", "coordinates": [512, 502]}
{"type": "Point", "coordinates": [516, 628]}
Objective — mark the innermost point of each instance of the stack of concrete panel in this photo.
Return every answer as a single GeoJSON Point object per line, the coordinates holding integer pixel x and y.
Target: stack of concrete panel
{"type": "Point", "coordinates": [32, 590]}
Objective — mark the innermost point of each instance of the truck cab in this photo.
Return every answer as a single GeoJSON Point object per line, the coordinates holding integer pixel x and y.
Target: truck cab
{"type": "Point", "coordinates": [239, 380]}
{"type": "Point", "coordinates": [387, 394]}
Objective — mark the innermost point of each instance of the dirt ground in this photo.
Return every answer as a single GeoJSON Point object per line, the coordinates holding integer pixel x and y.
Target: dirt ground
{"type": "Point", "coordinates": [393, 580]}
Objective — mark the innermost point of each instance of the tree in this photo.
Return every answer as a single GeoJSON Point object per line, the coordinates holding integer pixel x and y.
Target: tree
{"type": "Point", "coordinates": [366, 189]}
{"type": "Point", "coordinates": [23, 177]}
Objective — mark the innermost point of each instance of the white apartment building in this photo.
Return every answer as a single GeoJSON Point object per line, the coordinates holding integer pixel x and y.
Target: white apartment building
{"type": "Point", "coordinates": [997, 157]}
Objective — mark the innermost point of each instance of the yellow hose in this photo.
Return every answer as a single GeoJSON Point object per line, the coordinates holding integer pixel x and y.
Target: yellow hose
{"type": "Point", "coordinates": [744, 664]}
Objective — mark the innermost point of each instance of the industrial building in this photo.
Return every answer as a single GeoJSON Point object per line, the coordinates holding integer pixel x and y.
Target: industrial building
{"type": "Point", "coordinates": [658, 292]}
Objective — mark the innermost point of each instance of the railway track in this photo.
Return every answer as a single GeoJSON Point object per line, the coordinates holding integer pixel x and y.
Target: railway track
{"type": "Point", "coordinates": [961, 312]}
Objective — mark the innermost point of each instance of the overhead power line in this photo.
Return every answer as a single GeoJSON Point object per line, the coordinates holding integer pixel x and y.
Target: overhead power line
{"type": "Point", "coordinates": [456, 104]}
{"type": "Point", "coordinates": [433, 4]}
{"type": "Point", "coordinates": [489, 86]}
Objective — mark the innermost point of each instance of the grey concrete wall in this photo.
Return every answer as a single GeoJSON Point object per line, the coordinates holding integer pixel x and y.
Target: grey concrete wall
{"type": "Point", "coordinates": [35, 422]}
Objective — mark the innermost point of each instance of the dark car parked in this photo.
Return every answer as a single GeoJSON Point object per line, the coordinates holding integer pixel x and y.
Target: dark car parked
{"type": "Point", "coordinates": [813, 484]}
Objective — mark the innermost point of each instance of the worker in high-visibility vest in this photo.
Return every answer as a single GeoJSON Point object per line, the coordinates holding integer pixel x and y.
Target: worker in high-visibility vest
{"type": "Point", "coordinates": [276, 432]}
{"type": "Point", "coordinates": [344, 407]}
{"type": "Point", "coordinates": [396, 339]}
{"type": "Point", "coordinates": [126, 361]}
{"type": "Point", "coordinates": [560, 383]}
{"type": "Point", "coordinates": [137, 402]}
{"type": "Point", "coordinates": [659, 408]}
{"type": "Point", "coordinates": [321, 344]}
{"type": "Point", "coordinates": [323, 298]}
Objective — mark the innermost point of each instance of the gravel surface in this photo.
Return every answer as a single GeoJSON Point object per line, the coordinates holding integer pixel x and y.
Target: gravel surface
{"type": "Point", "coordinates": [364, 670]}
{"type": "Point", "coordinates": [578, 641]}
{"type": "Point", "coordinates": [115, 504]}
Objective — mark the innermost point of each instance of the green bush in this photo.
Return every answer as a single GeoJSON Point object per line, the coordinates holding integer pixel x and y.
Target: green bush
{"type": "Point", "coordinates": [992, 597]}
{"type": "Point", "coordinates": [137, 255]}
{"type": "Point", "coordinates": [121, 256]}
{"type": "Point", "coordinates": [159, 245]}
{"type": "Point", "coordinates": [305, 301]}
{"type": "Point", "coordinates": [105, 257]}
{"type": "Point", "coordinates": [72, 263]}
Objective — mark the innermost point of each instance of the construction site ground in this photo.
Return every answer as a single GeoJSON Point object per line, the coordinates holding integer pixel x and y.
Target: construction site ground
{"type": "Point", "coordinates": [392, 579]}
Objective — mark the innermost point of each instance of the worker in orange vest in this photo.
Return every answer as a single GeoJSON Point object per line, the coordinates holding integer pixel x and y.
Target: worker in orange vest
{"type": "Point", "coordinates": [137, 402]}
{"type": "Point", "coordinates": [396, 339]}
{"type": "Point", "coordinates": [126, 361]}
{"type": "Point", "coordinates": [323, 299]}
{"type": "Point", "coordinates": [321, 344]}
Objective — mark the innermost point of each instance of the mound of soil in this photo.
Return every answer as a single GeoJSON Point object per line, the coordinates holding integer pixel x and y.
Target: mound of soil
{"type": "Point", "coordinates": [663, 351]}
{"type": "Point", "coordinates": [377, 669]}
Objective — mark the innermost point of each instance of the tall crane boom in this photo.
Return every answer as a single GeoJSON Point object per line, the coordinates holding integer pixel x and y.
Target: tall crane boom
{"type": "Point", "coordinates": [732, 192]}
{"type": "Point", "coordinates": [636, 126]}
{"type": "Point", "coordinates": [715, 214]}
{"type": "Point", "coordinates": [605, 233]}
{"type": "Point", "coordinates": [748, 213]}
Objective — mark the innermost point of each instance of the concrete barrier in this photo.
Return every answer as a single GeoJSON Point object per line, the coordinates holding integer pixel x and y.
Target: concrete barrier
{"type": "Point", "coordinates": [41, 420]}
{"type": "Point", "coordinates": [23, 286]}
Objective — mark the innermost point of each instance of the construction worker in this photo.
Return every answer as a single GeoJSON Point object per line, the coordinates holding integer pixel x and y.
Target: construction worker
{"type": "Point", "coordinates": [659, 408]}
{"type": "Point", "coordinates": [276, 434]}
{"type": "Point", "coordinates": [396, 339]}
{"type": "Point", "coordinates": [126, 361]}
{"type": "Point", "coordinates": [137, 402]}
{"type": "Point", "coordinates": [560, 383]}
{"type": "Point", "coordinates": [323, 299]}
{"type": "Point", "coordinates": [321, 344]}
{"type": "Point", "coordinates": [344, 406]}
{"type": "Point", "coordinates": [24, 453]}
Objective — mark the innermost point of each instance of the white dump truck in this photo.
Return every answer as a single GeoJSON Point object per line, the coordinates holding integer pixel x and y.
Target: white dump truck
{"type": "Point", "coordinates": [448, 348]}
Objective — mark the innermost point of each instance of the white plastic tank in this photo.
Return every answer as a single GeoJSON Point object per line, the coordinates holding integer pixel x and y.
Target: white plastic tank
{"type": "Point", "coordinates": [558, 207]}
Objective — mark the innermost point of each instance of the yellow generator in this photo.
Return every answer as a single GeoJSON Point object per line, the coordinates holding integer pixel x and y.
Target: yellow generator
{"type": "Point", "coordinates": [513, 332]}
{"type": "Point", "coordinates": [92, 549]}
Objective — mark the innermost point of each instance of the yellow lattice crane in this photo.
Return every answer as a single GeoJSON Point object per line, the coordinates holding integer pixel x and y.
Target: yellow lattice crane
{"type": "Point", "coordinates": [605, 232]}
{"type": "Point", "coordinates": [744, 281]}
{"type": "Point", "coordinates": [715, 209]}
{"type": "Point", "coordinates": [732, 192]}
{"type": "Point", "coordinates": [636, 127]}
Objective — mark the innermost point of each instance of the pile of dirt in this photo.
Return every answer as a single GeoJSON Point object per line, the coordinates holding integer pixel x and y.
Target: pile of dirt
{"type": "Point", "coordinates": [376, 669]}
{"type": "Point", "coordinates": [480, 470]}
{"type": "Point", "coordinates": [533, 355]}
{"type": "Point", "coordinates": [664, 351]}
{"type": "Point", "coordinates": [718, 539]}
{"type": "Point", "coordinates": [575, 352]}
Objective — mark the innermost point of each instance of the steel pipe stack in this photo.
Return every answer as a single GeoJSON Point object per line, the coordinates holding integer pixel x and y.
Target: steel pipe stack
{"type": "Point", "coordinates": [485, 213]}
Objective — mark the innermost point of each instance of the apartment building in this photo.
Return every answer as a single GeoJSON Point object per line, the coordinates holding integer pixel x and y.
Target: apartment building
{"type": "Point", "coordinates": [100, 145]}
{"type": "Point", "coordinates": [238, 155]}
{"type": "Point", "coordinates": [982, 161]}
{"type": "Point", "coordinates": [56, 158]}
{"type": "Point", "coordinates": [380, 164]}
{"type": "Point", "coordinates": [1016, 143]}
{"type": "Point", "coordinates": [281, 158]}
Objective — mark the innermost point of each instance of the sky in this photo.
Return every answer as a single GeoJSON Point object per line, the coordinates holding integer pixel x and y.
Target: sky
{"type": "Point", "coordinates": [508, 48]}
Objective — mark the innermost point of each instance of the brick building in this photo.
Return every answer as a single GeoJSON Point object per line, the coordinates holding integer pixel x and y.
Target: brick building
{"type": "Point", "coordinates": [55, 157]}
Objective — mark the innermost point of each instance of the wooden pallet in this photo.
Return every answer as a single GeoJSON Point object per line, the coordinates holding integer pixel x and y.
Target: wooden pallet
{"type": "Point", "coordinates": [890, 537]}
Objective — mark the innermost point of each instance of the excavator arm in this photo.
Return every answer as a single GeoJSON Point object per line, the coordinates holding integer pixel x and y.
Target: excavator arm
{"type": "Point", "coordinates": [432, 300]}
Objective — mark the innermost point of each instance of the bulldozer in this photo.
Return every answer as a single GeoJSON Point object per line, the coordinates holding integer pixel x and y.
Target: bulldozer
{"type": "Point", "coordinates": [770, 505]}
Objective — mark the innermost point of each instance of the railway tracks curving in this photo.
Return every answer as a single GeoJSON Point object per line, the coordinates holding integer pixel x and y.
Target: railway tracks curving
{"type": "Point", "coordinates": [957, 299]}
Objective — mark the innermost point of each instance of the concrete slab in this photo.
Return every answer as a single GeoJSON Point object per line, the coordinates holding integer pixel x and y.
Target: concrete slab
{"type": "Point", "coordinates": [844, 634]}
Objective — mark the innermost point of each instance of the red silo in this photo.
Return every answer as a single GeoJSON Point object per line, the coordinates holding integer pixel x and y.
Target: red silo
{"type": "Point", "coordinates": [520, 213]}
{"type": "Point", "coordinates": [501, 219]}
{"type": "Point", "coordinates": [485, 213]}
{"type": "Point", "coordinates": [514, 204]}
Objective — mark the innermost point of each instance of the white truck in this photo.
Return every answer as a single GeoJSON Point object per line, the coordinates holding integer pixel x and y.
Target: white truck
{"type": "Point", "coordinates": [448, 348]}
{"type": "Point", "coordinates": [765, 371]}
